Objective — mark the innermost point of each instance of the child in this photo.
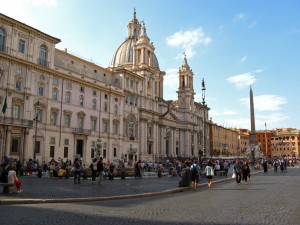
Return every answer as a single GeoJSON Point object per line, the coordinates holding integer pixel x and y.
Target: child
{"type": "Point", "coordinates": [12, 178]}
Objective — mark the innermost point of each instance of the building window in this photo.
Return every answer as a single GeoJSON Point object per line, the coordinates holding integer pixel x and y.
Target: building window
{"type": "Point", "coordinates": [52, 151]}
{"type": "Point", "coordinates": [18, 85]}
{"type": "Point", "coordinates": [2, 40]}
{"type": "Point", "coordinates": [80, 122]}
{"type": "Point", "coordinates": [52, 140]}
{"type": "Point", "coordinates": [55, 94]}
{"type": "Point", "coordinates": [53, 118]}
{"type": "Point", "coordinates": [69, 85]}
{"type": "Point", "coordinates": [94, 93]}
{"type": "Point", "coordinates": [19, 70]}
{"type": "Point", "coordinates": [116, 127]}
{"type": "Point", "coordinates": [21, 46]}
{"type": "Point", "coordinates": [66, 152]}
{"type": "Point", "coordinates": [41, 91]}
{"type": "Point", "coordinates": [115, 152]}
{"type": "Point", "coordinates": [116, 109]}
{"type": "Point", "coordinates": [43, 56]}
{"type": "Point", "coordinates": [105, 96]}
{"type": "Point", "coordinates": [55, 81]}
{"type": "Point", "coordinates": [40, 115]}
{"type": "Point", "coordinates": [94, 104]}
{"type": "Point", "coordinates": [82, 89]}
{"type": "Point", "coordinates": [15, 145]}
{"type": "Point", "coordinates": [105, 126]}
{"type": "Point", "coordinates": [68, 97]}
{"type": "Point", "coordinates": [81, 101]}
{"type": "Point", "coordinates": [37, 147]}
{"type": "Point", "coordinates": [66, 142]}
{"type": "Point", "coordinates": [67, 119]}
{"type": "Point", "coordinates": [104, 153]}
{"type": "Point", "coordinates": [16, 112]}
{"type": "Point", "coordinates": [93, 124]}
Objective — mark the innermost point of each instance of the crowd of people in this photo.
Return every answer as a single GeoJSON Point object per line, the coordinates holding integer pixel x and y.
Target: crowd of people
{"type": "Point", "coordinates": [190, 170]}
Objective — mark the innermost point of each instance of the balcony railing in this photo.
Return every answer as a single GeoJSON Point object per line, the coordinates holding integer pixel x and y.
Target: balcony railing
{"type": "Point", "coordinates": [43, 62]}
{"type": "Point", "coordinates": [82, 131]}
{"type": "Point", "coordinates": [15, 122]}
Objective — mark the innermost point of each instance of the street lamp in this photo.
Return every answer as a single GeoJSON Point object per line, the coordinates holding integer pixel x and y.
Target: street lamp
{"type": "Point", "coordinates": [203, 103]}
{"type": "Point", "coordinates": [36, 120]}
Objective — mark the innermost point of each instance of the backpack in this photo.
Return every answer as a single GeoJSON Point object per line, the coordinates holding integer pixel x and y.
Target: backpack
{"type": "Point", "coordinates": [77, 165]}
{"type": "Point", "coordinates": [194, 171]}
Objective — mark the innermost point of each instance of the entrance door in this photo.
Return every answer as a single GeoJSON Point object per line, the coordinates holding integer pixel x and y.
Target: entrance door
{"type": "Point", "coordinates": [79, 148]}
{"type": "Point", "coordinates": [167, 148]}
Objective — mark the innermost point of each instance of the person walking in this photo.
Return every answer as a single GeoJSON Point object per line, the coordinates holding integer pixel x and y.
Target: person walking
{"type": "Point", "coordinates": [275, 165]}
{"type": "Point", "coordinates": [12, 178]}
{"type": "Point", "coordinates": [195, 169]}
{"type": "Point", "coordinates": [245, 171]}
{"type": "Point", "coordinates": [226, 167]}
{"type": "Point", "coordinates": [137, 166]}
{"type": "Point", "coordinates": [237, 169]}
{"type": "Point", "coordinates": [209, 171]}
{"type": "Point", "coordinates": [100, 168]}
{"type": "Point", "coordinates": [76, 169]}
{"type": "Point", "coordinates": [94, 169]}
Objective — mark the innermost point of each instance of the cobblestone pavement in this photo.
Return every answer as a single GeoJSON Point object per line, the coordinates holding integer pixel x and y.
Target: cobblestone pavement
{"type": "Point", "coordinates": [268, 198]}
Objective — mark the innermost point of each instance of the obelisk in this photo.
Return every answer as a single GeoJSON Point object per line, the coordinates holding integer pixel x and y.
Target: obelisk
{"type": "Point", "coordinates": [252, 118]}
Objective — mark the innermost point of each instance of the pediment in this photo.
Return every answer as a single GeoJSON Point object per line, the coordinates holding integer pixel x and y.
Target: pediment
{"type": "Point", "coordinates": [170, 116]}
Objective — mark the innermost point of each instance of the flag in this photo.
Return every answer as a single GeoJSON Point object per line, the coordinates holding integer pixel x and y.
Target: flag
{"type": "Point", "coordinates": [4, 105]}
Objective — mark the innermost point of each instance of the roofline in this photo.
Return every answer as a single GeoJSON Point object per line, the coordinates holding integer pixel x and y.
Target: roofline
{"type": "Point", "coordinates": [15, 22]}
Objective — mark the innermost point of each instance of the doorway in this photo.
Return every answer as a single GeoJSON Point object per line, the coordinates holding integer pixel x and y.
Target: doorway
{"type": "Point", "coordinates": [79, 148]}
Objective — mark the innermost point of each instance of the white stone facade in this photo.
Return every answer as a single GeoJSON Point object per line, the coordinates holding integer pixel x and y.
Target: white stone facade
{"type": "Point", "coordinates": [77, 102]}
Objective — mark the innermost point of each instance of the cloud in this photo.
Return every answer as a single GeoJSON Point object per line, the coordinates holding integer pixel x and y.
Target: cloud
{"type": "Point", "coordinates": [266, 102]}
{"type": "Point", "coordinates": [239, 17]}
{"type": "Point", "coordinates": [21, 9]}
{"type": "Point", "coordinates": [229, 113]}
{"type": "Point", "coordinates": [187, 40]}
{"type": "Point", "coordinates": [242, 80]}
{"type": "Point", "coordinates": [253, 24]}
{"type": "Point", "coordinates": [272, 120]}
{"type": "Point", "coordinates": [243, 59]}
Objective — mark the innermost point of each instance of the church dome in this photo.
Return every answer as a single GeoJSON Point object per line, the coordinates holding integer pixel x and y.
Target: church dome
{"type": "Point", "coordinates": [124, 55]}
{"type": "Point", "coordinates": [137, 35]}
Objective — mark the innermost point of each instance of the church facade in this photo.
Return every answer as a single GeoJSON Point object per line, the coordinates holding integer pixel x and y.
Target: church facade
{"type": "Point", "coordinates": [57, 105]}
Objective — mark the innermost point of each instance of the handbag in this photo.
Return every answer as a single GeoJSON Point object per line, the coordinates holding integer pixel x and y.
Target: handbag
{"type": "Point", "coordinates": [233, 175]}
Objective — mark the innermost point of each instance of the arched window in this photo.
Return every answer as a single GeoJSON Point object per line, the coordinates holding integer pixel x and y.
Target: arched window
{"type": "Point", "coordinates": [2, 39]}
{"type": "Point", "coordinates": [43, 56]}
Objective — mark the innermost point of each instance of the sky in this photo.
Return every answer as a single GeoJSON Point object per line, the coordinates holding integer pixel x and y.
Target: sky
{"type": "Point", "coordinates": [233, 45]}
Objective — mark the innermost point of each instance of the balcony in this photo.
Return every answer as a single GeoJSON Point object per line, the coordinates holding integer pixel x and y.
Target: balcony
{"type": "Point", "coordinates": [43, 62]}
{"type": "Point", "coordinates": [82, 131]}
{"type": "Point", "coordinates": [10, 121]}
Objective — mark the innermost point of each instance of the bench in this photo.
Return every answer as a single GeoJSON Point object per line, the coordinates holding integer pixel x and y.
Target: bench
{"type": "Point", "coordinates": [220, 173]}
{"type": "Point", "coordinates": [7, 188]}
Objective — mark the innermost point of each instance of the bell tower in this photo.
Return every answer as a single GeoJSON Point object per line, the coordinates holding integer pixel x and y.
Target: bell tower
{"type": "Point", "coordinates": [186, 87]}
